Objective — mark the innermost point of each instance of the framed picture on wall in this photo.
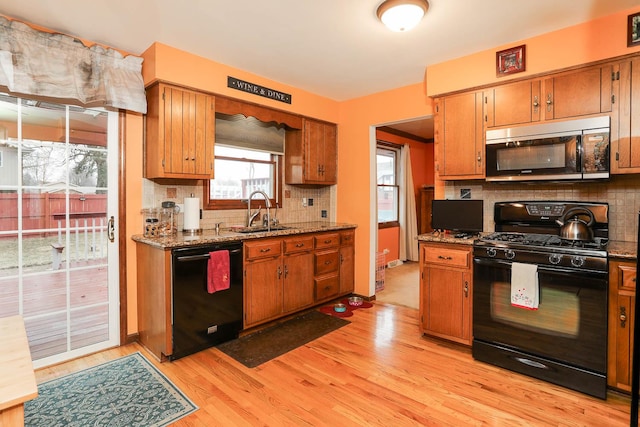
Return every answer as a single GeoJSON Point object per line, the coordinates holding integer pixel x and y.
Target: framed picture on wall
{"type": "Point", "coordinates": [510, 61]}
{"type": "Point", "coordinates": [633, 30]}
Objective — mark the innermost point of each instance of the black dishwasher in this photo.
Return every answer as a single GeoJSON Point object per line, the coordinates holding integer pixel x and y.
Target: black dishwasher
{"type": "Point", "coordinates": [201, 319]}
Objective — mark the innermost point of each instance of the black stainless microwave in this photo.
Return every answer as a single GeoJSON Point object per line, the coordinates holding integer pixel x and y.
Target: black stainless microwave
{"type": "Point", "coordinates": [567, 150]}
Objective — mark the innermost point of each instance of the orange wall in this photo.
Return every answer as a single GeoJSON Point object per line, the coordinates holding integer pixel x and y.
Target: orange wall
{"type": "Point", "coordinates": [162, 62]}
{"type": "Point", "coordinates": [580, 44]}
{"type": "Point", "coordinates": [388, 238]}
{"type": "Point", "coordinates": [356, 162]}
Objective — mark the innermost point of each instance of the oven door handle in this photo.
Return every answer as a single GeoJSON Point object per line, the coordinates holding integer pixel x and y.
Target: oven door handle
{"type": "Point", "coordinates": [558, 270]}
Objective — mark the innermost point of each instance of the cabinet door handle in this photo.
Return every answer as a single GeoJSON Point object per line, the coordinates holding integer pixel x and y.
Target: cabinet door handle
{"type": "Point", "coordinates": [479, 157]}
{"type": "Point", "coordinates": [341, 259]}
{"type": "Point", "coordinates": [549, 102]}
{"type": "Point", "coordinates": [536, 104]}
{"type": "Point", "coordinates": [466, 289]}
{"type": "Point", "coordinates": [286, 271]}
{"type": "Point", "coordinates": [623, 316]}
{"type": "Point", "coordinates": [279, 272]}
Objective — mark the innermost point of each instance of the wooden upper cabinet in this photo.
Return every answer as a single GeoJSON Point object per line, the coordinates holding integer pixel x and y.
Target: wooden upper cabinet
{"type": "Point", "coordinates": [180, 133]}
{"type": "Point", "coordinates": [578, 93]}
{"type": "Point", "coordinates": [564, 95]}
{"type": "Point", "coordinates": [512, 104]}
{"type": "Point", "coordinates": [459, 136]}
{"type": "Point", "coordinates": [625, 132]}
{"type": "Point", "coordinates": [311, 154]}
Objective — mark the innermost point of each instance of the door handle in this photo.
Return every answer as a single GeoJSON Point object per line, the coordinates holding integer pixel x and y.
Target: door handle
{"type": "Point", "coordinates": [111, 229]}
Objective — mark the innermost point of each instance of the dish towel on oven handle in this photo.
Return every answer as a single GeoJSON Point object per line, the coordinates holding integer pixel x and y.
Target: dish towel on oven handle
{"type": "Point", "coordinates": [525, 290]}
{"type": "Point", "coordinates": [218, 271]}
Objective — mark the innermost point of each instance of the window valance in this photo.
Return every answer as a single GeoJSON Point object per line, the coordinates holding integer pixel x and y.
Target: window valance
{"type": "Point", "coordinates": [58, 66]}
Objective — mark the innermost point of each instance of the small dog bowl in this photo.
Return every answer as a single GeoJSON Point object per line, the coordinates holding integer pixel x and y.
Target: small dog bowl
{"type": "Point", "coordinates": [355, 301]}
{"type": "Point", "coordinates": [339, 308]}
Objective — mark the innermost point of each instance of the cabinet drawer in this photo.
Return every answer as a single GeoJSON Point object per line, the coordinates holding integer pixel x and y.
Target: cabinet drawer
{"type": "Point", "coordinates": [628, 281]}
{"type": "Point", "coordinates": [347, 237]}
{"type": "Point", "coordinates": [326, 262]}
{"type": "Point", "coordinates": [263, 249]}
{"type": "Point", "coordinates": [447, 256]}
{"type": "Point", "coordinates": [327, 240]}
{"type": "Point", "coordinates": [327, 287]}
{"type": "Point", "coordinates": [298, 244]}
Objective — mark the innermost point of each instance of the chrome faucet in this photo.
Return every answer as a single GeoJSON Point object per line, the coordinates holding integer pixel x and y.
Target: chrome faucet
{"type": "Point", "coordinates": [252, 216]}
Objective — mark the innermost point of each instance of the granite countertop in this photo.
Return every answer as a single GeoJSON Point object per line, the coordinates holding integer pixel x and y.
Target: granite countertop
{"type": "Point", "coordinates": [622, 250]}
{"type": "Point", "coordinates": [438, 237]}
{"type": "Point", "coordinates": [182, 240]}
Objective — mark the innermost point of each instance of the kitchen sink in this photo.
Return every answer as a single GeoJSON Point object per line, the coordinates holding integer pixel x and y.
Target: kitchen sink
{"type": "Point", "coordinates": [260, 229]}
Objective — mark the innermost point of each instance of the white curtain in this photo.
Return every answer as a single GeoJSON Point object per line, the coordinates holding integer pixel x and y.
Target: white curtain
{"type": "Point", "coordinates": [60, 67]}
{"type": "Point", "coordinates": [408, 220]}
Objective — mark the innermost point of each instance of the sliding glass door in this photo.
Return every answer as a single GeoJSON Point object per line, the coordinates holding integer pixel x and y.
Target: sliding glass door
{"type": "Point", "coordinates": [58, 199]}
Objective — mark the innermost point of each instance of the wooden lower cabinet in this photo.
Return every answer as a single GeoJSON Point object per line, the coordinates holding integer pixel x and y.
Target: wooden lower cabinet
{"type": "Point", "coordinates": [327, 266]}
{"type": "Point", "coordinates": [286, 275]}
{"type": "Point", "coordinates": [446, 291]}
{"type": "Point", "coordinates": [347, 261]}
{"type": "Point", "coordinates": [263, 281]}
{"type": "Point", "coordinates": [298, 271]}
{"type": "Point", "coordinates": [622, 293]}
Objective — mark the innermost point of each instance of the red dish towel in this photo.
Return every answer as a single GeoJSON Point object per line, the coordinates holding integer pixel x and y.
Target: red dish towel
{"type": "Point", "coordinates": [218, 271]}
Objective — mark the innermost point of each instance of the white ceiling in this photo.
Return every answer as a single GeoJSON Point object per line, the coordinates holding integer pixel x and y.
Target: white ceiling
{"type": "Point", "coordinates": [333, 48]}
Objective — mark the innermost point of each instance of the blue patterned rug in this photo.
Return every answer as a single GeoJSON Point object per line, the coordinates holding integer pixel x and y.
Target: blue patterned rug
{"type": "Point", "coordinates": [128, 391]}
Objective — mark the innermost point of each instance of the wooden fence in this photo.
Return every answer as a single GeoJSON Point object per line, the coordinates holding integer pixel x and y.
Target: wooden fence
{"type": "Point", "coordinates": [44, 211]}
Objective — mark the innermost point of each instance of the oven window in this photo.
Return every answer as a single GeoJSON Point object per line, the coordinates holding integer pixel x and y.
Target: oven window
{"type": "Point", "coordinates": [531, 157]}
{"type": "Point", "coordinates": [558, 313]}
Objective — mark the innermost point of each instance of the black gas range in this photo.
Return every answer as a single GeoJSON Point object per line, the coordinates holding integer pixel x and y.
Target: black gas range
{"type": "Point", "coordinates": [563, 338]}
{"type": "Point", "coordinates": [528, 232]}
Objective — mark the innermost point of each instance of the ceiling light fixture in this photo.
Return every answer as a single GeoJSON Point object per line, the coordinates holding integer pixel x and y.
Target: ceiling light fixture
{"type": "Point", "coordinates": [402, 15]}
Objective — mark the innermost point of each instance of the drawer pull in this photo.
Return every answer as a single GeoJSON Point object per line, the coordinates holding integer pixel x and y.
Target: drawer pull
{"type": "Point", "coordinates": [265, 250]}
{"type": "Point", "coordinates": [327, 288]}
{"type": "Point", "coordinates": [448, 258]}
{"type": "Point", "coordinates": [327, 241]}
{"type": "Point", "coordinates": [299, 245]}
{"type": "Point", "coordinates": [327, 262]}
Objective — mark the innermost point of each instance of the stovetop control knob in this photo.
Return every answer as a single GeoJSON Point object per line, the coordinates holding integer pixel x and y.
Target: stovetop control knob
{"type": "Point", "coordinates": [509, 254]}
{"type": "Point", "coordinates": [491, 252]}
{"type": "Point", "coordinates": [577, 261]}
{"type": "Point", "coordinates": [555, 259]}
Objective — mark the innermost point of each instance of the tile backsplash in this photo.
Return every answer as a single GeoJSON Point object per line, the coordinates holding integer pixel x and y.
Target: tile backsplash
{"type": "Point", "coordinates": [622, 192]}
{"type": "Point", "coordinates": [290, 208]}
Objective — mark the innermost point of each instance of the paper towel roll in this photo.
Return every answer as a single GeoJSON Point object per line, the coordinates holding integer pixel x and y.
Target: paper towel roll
{"type": "Point", "coordinates": [191, 213]}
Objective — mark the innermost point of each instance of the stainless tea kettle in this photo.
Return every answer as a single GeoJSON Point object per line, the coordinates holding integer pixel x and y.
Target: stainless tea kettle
{"type": "Point", "coordinates": [574, 228]}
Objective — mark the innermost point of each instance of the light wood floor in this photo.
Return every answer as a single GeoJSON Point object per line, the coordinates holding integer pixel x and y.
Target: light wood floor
{"type": "Point", "coordinates": [401, 285]}
{"type": "Point", "coordinates": [376, 371]}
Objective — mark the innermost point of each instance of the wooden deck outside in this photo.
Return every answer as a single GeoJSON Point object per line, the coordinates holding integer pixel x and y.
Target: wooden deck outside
{"type": "Point", "coordinates": [44, 300]}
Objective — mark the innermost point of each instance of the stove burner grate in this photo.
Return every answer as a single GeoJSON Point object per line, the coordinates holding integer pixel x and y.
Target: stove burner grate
{"type": "Point", "coordinates": [545, 240]}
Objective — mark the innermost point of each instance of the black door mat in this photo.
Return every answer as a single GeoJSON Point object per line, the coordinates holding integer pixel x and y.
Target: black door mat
{"type": "Point", "coordinates": [254, 349]}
